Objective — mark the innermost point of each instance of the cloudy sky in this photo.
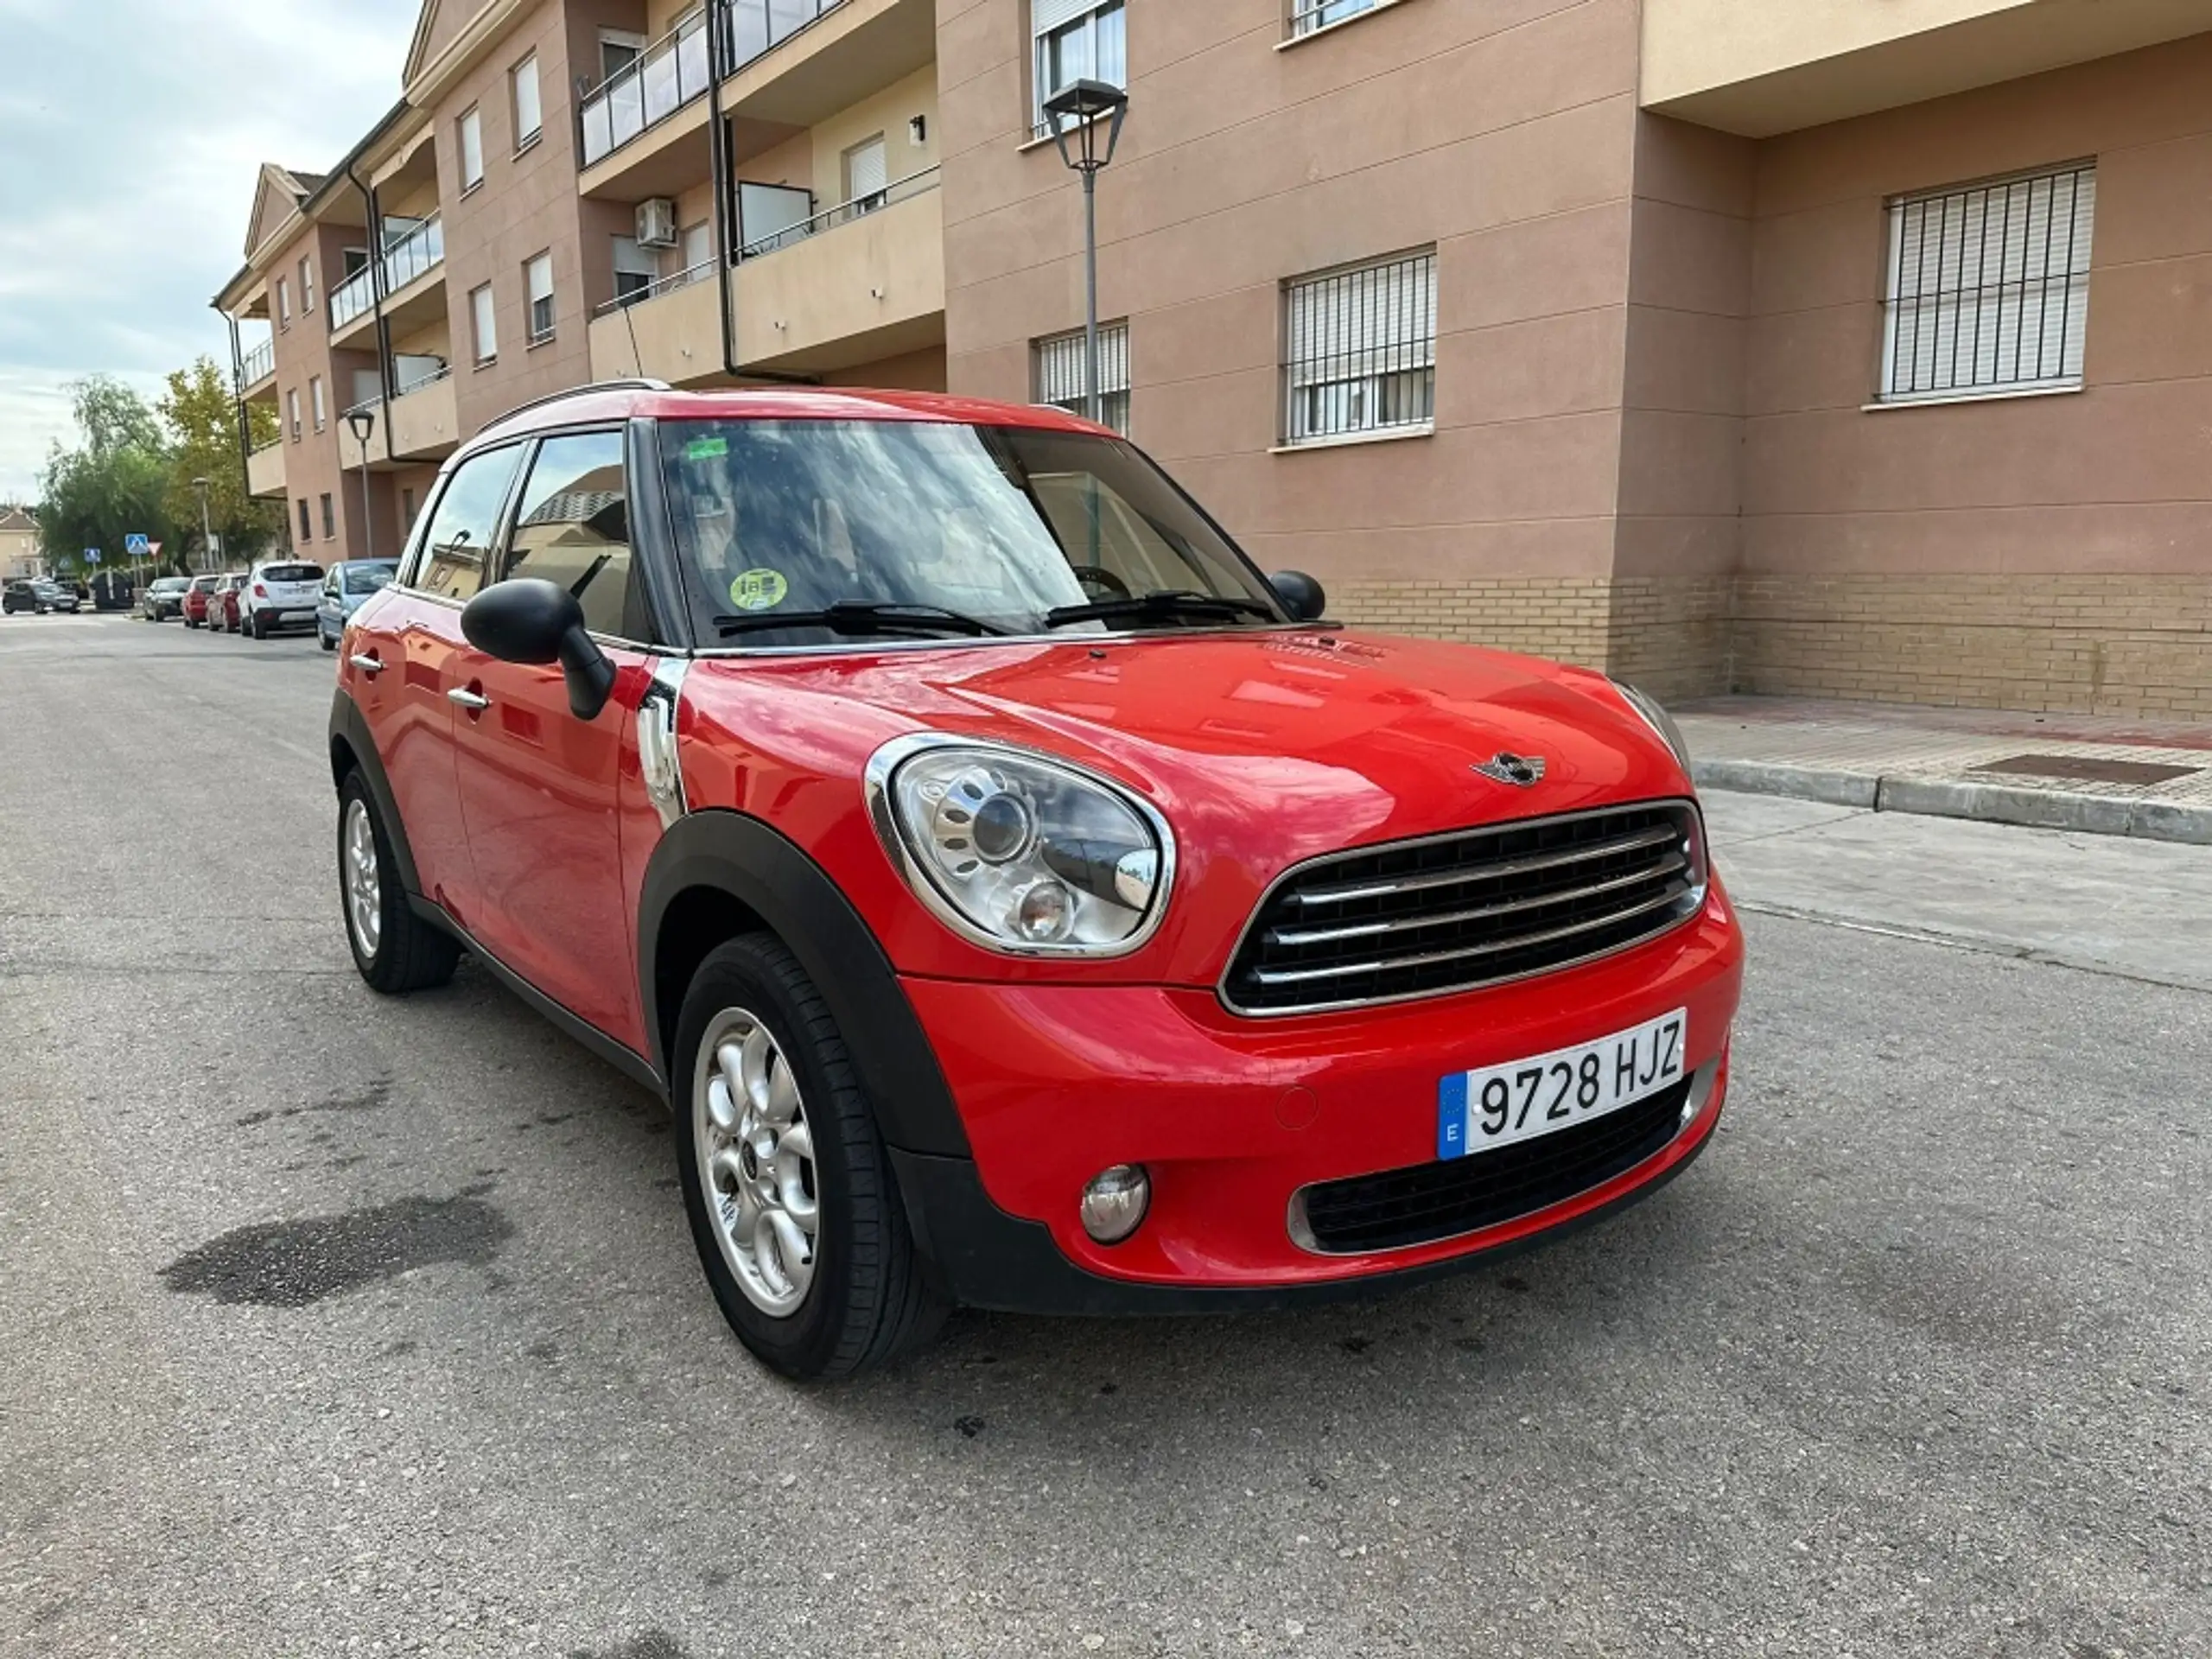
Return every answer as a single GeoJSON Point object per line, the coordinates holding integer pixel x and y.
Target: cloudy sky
{"type": "Point", "coordinates": [130, 131]}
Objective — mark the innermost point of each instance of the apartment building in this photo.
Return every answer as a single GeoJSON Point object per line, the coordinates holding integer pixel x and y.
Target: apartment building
{"type": "Point", "coordinates": [19, 554]}
{"type": "Point", "coordinates": [1788, 346]}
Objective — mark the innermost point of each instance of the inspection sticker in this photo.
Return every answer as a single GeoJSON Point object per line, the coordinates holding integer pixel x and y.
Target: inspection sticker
{"type": "Point", "coordinates": [758, 589]}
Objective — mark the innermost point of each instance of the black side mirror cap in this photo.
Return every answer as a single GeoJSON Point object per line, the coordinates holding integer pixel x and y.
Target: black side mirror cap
{"type": "Point", "coordinates": [533, 621]}
{"type": "Point", "coordinates": [1300, 595]}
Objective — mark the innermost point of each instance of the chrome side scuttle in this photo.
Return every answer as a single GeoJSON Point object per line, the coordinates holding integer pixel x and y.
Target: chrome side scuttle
{"type": "Point", "coordinates": [658, 760]}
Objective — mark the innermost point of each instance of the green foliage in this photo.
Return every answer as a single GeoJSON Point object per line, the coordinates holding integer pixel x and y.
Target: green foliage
{"type": "Point", "coordinates": [202, 416]}
{"type": "Point", "coordinates": [134, 472]}
{"type": "Point", "coordinates": [110, 487]}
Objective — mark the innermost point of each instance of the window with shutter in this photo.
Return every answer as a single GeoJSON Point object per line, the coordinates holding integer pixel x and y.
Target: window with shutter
{"type": "Point", "coordinates": [487, 323]}
{"type": "Point", "coordinates": [1988, 287]}
{"type": "Point", "coordinates": [867, 173]}
{"type": "Point", "coordinates": [1063, 364]}
{"type": "Point", "coordinates": [530, 119]}
{"type": "Point", "coordinates": [537, 283]}
{"type": "Point", "coordinates": [1361, 349]}
{"type": "Point", "coordinates": [471, 149]}
{"type": "Point", "coordinates": [1076, 40]}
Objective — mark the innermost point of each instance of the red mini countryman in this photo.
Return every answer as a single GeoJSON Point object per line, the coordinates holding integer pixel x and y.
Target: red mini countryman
{"type": "Point", "coordinates": [1021, 900]}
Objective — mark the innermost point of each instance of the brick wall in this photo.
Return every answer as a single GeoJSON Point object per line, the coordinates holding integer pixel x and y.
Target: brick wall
{"type": "Point", "coordinates": [2136, 645]}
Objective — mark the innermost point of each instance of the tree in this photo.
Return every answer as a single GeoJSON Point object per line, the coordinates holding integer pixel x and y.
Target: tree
{"type": "Point", "coordinates": [111, 488]}
{"type": "Point", "coordinates": [202, 416]}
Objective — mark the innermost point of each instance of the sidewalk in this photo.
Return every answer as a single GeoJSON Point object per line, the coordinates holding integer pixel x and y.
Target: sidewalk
{"type": "Point", "coordinates": [2098, 773]}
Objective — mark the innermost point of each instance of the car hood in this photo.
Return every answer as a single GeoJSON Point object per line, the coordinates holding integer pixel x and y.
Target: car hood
{"type": "Point", "coordinates": [1262, 749]}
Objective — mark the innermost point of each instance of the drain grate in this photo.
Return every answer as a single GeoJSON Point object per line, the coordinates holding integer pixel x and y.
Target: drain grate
{"type": "Point", "coordinates": [2089, 770]}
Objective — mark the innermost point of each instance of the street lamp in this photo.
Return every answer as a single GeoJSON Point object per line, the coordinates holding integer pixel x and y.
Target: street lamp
{"type": "Point", "coordinates": [364, 422]}
{"type": "Point", "coordinates": [1078, 109]}
{"type": "Point", "coordinates": [206, 535]}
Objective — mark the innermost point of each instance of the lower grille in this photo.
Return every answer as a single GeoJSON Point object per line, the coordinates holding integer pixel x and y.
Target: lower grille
{"type": "Point", "coordinates": [1402, 1207]}
{"type": "Point", "coordinates": [1478, 907]}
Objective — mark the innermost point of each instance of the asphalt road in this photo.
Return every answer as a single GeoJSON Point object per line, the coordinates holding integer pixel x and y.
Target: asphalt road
{"type": "Point", "coordinates": [331, 1325]}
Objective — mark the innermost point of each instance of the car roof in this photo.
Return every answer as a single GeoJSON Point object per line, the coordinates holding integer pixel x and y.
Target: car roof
{"type": "Point", "coordinates": [633, 400]}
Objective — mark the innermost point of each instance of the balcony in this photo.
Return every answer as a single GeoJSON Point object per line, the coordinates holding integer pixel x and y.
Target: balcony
{"type": "Point", "coordinates": [264, 471]}
{"type": "Point", "coordinates": [257, 369]}
{"type": "Point", "coordinates": [422, 425]}
{"type": "Point", "coordinates": [1759, 67]}
{"type": "Point", "coordinates": [410, 298]}
{"type": "Point", "coordinates": [831, 56]}
{"type": "Point", "coordinates": [862, 281]}
{"type": "Point", "coordinates": [672, 73]}
{"type": "Point", "coordinates": [670, 330]}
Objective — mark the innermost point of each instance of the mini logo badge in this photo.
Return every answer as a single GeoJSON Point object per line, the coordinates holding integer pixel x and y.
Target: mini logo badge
{"type": "Point", "coordinates": [1522, 771]}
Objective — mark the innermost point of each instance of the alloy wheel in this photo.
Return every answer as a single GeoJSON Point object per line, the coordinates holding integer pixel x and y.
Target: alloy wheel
{"type": "Point", "coordinates": [364, 887]}
{"type": "Point", "coordinates": [756, 1161]}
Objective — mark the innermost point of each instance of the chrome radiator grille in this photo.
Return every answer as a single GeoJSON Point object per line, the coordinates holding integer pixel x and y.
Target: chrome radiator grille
{"type": "Point", "coordinates": [1448, 912]}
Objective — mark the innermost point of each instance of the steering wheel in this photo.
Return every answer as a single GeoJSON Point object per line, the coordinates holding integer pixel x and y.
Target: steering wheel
{"type": "Point", "coordinates": [1100, 582]}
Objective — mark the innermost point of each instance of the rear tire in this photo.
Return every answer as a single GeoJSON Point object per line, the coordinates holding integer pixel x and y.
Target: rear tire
{"type": "Point", "coordinates": [394, 948]}
{"type": "Point", "coordinates": [861, 1299]}
{"type": "Point", "coordinates": [329, 643]}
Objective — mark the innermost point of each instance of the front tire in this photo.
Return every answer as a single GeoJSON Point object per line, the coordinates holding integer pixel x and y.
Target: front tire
{"type": "Point", "coordinates": [789, 1191]}
{"type": "Point", "coordinates": [395, 950]}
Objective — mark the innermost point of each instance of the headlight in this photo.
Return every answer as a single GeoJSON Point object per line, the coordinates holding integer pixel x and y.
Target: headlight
{"type": "Point", "coordinates": [1021, 853]}
{"type": "Point", "coordinates": [1657, 719]}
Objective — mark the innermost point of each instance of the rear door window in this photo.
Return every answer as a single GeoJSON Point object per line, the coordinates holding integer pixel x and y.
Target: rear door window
{"type": "Point", "coordinates": [457, 547]}
{"type": "Point", "coordinates": [573, 529]}
{"type": "Point", "coordinates": [292, 573]}
{"type": "Point", "coordinates": [365, 578]}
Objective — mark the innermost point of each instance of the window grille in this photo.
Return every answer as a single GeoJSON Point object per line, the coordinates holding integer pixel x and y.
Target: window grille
{"type": "Point", "coordinates": [1988, 286]}
{"type": "Point", "coordinates": [1063, 374]}
{"type": "Point", "coordinates": [1361, 351]}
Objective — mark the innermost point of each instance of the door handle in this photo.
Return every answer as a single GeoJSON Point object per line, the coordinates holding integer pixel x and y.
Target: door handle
{"type": "Point", "coordinates": [474, 701]}
{"type": "Point", "coordinates": [366, 663]}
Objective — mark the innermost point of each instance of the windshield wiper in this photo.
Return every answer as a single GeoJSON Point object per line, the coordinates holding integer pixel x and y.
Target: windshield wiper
{"type": "Point", "coordinates": [1160, 604]}
{"type": "Point", "coordinates": [860, 616]}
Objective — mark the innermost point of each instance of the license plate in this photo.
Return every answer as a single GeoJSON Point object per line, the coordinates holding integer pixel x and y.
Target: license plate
{"type": "Point", "coordinates": [1500, 1104]}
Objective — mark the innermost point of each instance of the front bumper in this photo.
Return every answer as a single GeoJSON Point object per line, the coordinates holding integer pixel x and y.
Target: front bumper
{"type": "Point", "coordinates": [1233, 1117]}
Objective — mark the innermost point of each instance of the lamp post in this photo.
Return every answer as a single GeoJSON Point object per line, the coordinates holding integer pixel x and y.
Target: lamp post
{"type": "Point", "coordinates": [364, 422]}
{"type": "Point", "coordinates": [206, 535]}
{"type": "Point", "coordinates": [1078, 110]}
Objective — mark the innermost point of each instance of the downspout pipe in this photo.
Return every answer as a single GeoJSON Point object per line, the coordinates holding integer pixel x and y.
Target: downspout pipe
{"type": "Point", "coordinates": [376, 302]}
{"type": "Point", "coordinates": [245, 423]}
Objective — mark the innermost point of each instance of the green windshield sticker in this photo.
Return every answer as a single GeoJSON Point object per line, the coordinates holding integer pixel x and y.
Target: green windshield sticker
{"type": "Point", "coordinates": [706, 449]}
{"type": "Point", "coordinates": [761, 589]}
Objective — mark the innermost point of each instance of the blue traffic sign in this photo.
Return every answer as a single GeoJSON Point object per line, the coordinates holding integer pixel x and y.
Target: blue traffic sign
{"type": "Point", "coordinates": [134, 544]}
{"type": "Point", "coordinates": [91, 556]}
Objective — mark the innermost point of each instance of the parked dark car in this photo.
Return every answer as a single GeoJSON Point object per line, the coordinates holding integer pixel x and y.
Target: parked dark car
{"type": "Point", "coordinates": [163, 598]}
{"type": "Point", "coordinates": [58, 596]}
{"type": "Point", "coordinates": [20, 597]}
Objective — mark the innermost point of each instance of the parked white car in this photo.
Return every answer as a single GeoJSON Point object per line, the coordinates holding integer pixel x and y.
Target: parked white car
{"type": "Point", "coordinates": [279, 594]}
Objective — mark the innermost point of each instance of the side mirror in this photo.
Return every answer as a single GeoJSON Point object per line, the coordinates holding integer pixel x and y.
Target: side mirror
{"type": "Point", "coordinates": [1300, 595]}
{"type": "Point", "coordinates": [529, 621]}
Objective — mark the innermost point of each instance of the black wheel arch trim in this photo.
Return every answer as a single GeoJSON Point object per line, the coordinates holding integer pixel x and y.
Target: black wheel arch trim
{"type": "Point", "coordinates": [349, 737]}
{"type": "Point", "coordinates": [795, 898]}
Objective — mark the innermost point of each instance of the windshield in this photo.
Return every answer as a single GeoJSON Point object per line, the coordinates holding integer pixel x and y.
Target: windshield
{"type": "Point", "coordinates": [171, 585]}
{"type": "Point", "coordinates": [367, 578]}
{"type": "Point", "coordinates": [1003, 524]}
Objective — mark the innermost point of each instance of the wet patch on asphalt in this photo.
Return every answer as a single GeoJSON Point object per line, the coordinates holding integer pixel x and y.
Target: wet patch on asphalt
{"type": "Point", "coordinates": [653, 1644]}
{"type": "Point", "coordinates": [372, 1096]}
{"type": "Point", "coordinates": [295, 1263]}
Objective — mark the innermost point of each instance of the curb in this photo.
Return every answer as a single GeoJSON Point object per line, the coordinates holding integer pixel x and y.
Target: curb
{"type": "Point", "coordinates": [1951, 798]}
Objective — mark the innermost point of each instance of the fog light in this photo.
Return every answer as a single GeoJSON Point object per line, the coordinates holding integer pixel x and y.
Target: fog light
{"type": "Point", "coordinates": [1115, 1202]}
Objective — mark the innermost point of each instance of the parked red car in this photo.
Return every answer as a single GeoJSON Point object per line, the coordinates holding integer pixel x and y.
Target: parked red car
{"type": "Point", "coordinates": [195, 601]}
{"type": "Point", "coordinates": [222, 614]}
{"type": "Point", "coordinates": [1021, 900]}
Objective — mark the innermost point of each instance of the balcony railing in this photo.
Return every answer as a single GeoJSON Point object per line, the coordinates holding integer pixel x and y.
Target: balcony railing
{"type": "Point", "coordinates": [653, 290]}
{"type": "Point", "coordinates": [415, 384]}
{"type": "Point", "coordinates": [421, 251]}
{"type": "Point", "coordinates": [258, 365]}
{"type": "Point", "coordinates": [759, 26]}
{"type": "Point", "coordinates": [674, 70]}
{"type": "Point", "coordinates": [263, 448]}
{"type": "Point", "coordinates": [914, 184]}
{"type": "Point", "coordinates": [668, 75]}
{"type": "Point", "coordinates": [417, 252]}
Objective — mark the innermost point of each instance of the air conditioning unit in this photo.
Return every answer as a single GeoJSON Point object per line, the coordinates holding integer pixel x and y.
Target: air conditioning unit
{"type": "Point", "coordinates": [657, 223]}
